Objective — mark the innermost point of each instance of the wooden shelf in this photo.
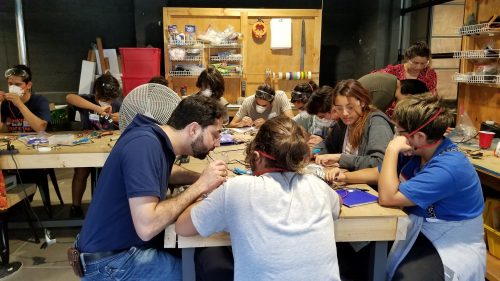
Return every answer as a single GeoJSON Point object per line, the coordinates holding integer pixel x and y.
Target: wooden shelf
{"type": "Point", "coordinates": [492, 268]}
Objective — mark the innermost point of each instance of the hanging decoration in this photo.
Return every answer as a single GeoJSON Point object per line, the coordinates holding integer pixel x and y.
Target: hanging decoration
{"type": "Point", "coordinates": [259, 29]}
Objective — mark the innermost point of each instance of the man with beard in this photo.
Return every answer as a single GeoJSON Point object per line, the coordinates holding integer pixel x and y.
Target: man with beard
{"type": "Point", "coordinates": [129, 208]}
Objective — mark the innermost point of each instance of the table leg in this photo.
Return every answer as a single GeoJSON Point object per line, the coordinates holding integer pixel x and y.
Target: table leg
{"type": "Point", "coordinates": [188, 273]}
{"type": "Point", "coordinates": [378, 260]}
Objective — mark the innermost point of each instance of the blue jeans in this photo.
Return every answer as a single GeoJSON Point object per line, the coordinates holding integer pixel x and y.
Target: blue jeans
{"type": "Point", "coordinates": [135, 264]}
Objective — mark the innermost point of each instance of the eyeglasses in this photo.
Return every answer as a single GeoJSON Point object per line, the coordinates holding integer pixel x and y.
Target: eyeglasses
{"type": "Point", "coordinates": [416, 63]}
{"type": "Point", "coordinates": [16, 72]}
{"type": "Point", "coordinates": [264, 95]}
{"type": "Point", "coordinates": [299, 97]}
{"type": "Point", "coordinates": [340, 108]}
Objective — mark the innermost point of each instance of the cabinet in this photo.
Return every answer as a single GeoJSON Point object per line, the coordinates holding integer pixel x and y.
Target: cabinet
{"type": "Point", "coordinates": [247, 61]}
{"type": "Point", "coordinates": [479, 77]}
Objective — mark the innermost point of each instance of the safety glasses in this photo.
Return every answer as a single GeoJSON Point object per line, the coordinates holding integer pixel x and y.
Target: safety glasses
{"type": "Point", "coordinates": [16, 72]}
{"type": "Point", "coordinates": [299, 97]}
{"type": "Point", "coordinates": [264, 95]}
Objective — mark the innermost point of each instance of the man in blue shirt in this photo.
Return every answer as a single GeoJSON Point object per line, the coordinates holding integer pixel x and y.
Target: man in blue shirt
{"type": "Point", "coordinates": [129, 207]}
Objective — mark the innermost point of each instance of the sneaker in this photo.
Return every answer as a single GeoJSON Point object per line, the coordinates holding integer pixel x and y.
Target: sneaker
{"type": "Point", "coordinates": [76, 212]}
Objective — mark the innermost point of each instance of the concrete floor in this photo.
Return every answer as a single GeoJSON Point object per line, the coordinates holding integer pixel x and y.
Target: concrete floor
{"type": "Point", "coordinates": [50, 263]}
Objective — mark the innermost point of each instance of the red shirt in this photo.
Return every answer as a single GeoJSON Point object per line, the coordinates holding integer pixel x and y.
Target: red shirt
{"type": "Point", "coordinates": [426, 75]}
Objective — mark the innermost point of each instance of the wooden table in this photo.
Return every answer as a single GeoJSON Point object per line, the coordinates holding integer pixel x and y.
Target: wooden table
{"type": "Point", "coordinates": [92, 154]}
{"type": "Point", "coordinates": [487, 166]}
{"type": "Point", "coordinates": [370, 222]}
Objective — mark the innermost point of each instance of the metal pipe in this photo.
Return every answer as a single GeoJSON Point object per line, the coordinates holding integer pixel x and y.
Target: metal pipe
{"type": "Point", "coordinates": [21, 38]}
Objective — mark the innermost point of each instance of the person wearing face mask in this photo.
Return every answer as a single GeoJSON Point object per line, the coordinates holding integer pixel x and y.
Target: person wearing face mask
{"type": "Point", "coordinates": [360, 136]}
{"type": "Point", "coordinates": [211, 84]}
{"type": "Point", "coordinates": [318, 118]}
{"type": "Point", "coordinates": [416, 66]}
{"type": "Point", "coordinates": [21, 109]}
{"type": "Point", "coordinates": [425, 173]}
{"type": "Point", "coordinates": [263, 105]}
{"type": "Point", "coordinates": [98, 111]}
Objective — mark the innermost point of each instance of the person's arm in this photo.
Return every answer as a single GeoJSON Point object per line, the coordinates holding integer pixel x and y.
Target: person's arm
{"type": "Point", "coordinates": [80, 102]}
{"type": "Point", "coordinates": [181, 175]}
{"type": "Point", "coordinates": [184, 225]}
{"type": "Point", "coordinates": [369, 176]}
{"type": "Point", "coordinates": [150, 216]}
{"type": "Point", "coordinates": [327, 159]}
{"type": "Point", "coordinates": [36, 123]}
{"type": "Point", "coordinates": [388, 181]}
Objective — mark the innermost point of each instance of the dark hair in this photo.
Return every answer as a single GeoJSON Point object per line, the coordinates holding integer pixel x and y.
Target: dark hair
{"type": "Point", "coordinates": [284, 140]}
{"type": "Point", "coordinates": [412, 112]}
{"type": "Point", "coordinates": [266, 90]}
{"type": "Point", "coordinates": [352, 88]}
{"type": "Point", "coordinates": [159, 80]}
{"type": "Point", "coordinates": [302, 92]}
{"type": "Point", "coordinates": [413, 87]}
{"type": "Point", "coordinates": [20, 70]}
{"type": "Point", "coordinates": [106, 87]}
{"type": "Point", "coordinates": [196, 108]}
{"type": "Point", "coordinates": [320, 101]}
{"type": "Point", "coordinates": [212, 79]}
{"type": "Point", "coordinates": [418, 49]}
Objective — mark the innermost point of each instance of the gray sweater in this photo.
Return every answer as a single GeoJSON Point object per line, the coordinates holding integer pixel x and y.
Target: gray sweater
{"type": "Point", "coordinates": [378, 132]}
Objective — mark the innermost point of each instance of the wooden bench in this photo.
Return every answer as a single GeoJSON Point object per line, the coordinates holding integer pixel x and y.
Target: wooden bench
{"type": "Point", "coordinates": [18, 194]}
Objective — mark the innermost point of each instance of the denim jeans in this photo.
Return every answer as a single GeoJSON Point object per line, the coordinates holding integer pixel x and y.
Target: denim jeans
{"type": "Point", "coordinates": [135, 264]}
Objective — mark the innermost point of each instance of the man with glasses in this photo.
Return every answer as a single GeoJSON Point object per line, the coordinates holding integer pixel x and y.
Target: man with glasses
{"type": "Point", "coordinates": [264, 105]}
{"type": "Point", "coordinates": [22, 110]}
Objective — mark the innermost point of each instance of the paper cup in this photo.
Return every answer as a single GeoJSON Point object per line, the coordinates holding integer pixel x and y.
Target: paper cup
{"type": "Point", "coordinates": [485, 139]}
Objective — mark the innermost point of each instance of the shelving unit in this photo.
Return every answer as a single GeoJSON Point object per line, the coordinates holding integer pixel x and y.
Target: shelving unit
{"type": "Point", "coordinates": [250, 57]}
{"type": "Point", "coordinates": [185, 55]}
{"type": "Point", "coordinates": [478, 86]}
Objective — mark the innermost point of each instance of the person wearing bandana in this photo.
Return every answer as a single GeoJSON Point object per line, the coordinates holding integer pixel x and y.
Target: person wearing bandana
{"type": "Point", "coordinates": [272, 211]}
{"type": "Point", "coordinates": [263, 105]}
{"type": "Point", "coordinates": [426, 174]}
{"type": "Point", "coordinates": [21, 109]}
{"type": "Point", "coordinates": [98, 111]}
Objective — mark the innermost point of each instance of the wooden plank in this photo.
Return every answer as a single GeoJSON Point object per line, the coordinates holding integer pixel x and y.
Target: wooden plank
{"type": "Point", "coordinates": [446, 20]}
{"type": "Point", "coordinates": [102, 61]}
{"type": "Point", "coordinates": [19, 192]}
{"type": "Point", "coordinates": [210, 12]}
{"type": "Point", "coordinates": [492, 268]}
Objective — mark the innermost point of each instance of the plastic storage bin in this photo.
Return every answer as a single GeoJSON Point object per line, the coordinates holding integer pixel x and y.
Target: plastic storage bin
{"type": "Point", "coordinates": [491, 210]}
{"type": "Point", "coordinates": [140, 62]}
{"type": "Point", "coordinates": [130, 83]}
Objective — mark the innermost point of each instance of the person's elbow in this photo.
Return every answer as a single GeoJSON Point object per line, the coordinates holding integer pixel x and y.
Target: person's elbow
{"type": "Point", "coordinates": [42, 127]}
{"type": "Point", "coordinates": [185, 227]}
{"type": "Point", "coordinates": [145, 233]}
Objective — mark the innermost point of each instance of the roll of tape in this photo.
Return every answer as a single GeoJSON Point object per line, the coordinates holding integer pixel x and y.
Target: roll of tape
{"type": "Point", "coordinates": [309, 75]}
{"type": "Point", "coordinates": [43, 149]}
{"type": "Point", "coordinates": [280, 75]}
{"type": "Point", "coordinates": [297, 75]}
{"type": "Point", "coordinates": [287, 75]}
{"type": "Point", "coordinates": [291, 75]}
{"type": "Point", "coordinates": [274, 75]}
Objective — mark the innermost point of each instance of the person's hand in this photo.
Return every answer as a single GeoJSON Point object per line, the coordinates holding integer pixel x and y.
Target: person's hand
{"type": "Point", "coordinates": [448, 131]}
{"type": "Point", "coordinates": [401, 144]}
{"type": "Point", "coordinates": [341, 178]}
{"type": "Point", "coordinates": [104, 110]}
{"type": "Point", "coordinates": [328, 160]}
{"type": "Point", "coordinates": [331, 173]}
{"type": "Point", "coordinates": [257, 123]}
{"type": "Point", "coordinates": [115, 116]}
{"type": "Point", "coordinates": [314, 140]}
{"type": "Point", "coordinates": [14, 99]}
{"type": "Point", "coordinates": [213, 175]}
{"type": "Point", "coordinates": [2, 96]}
{"type": "Point", "coordinates": [246, 122]}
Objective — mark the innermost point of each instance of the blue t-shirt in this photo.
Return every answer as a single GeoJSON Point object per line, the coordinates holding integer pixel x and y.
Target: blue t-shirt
{"type": "Point", "coordinates": [104, 123]}
{"type": "Point", "coordinates": [14, 119]}
{"type": "Point", "coordinates": [139, 165]}
{"type": "Point", "coordinates": [448, 182]}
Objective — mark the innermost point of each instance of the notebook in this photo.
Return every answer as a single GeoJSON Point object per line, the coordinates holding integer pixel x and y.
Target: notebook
{"type": "Point", "coordinates": [355, 197]}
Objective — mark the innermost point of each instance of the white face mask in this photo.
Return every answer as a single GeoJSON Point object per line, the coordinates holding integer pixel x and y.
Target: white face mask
{"type": "Point", "coordinates": [103, 103]}
{"type": "Point", "coordinates": [260, 108]}
{"type": "Point", "coordinates": [207, 93]}
{"type": "Point", "coordinates": [16, 90]}
{"type": "Point", "coordinates": [325, 122]}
